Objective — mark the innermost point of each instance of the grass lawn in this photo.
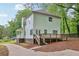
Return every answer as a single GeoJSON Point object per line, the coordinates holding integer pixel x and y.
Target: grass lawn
{"type": "Point", "coordinates": [7, 41]}
{"type": "Point", "coordinates": [3, 50]}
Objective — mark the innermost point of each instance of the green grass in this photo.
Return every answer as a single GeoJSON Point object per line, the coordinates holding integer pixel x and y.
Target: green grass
{"type": "Point", "coordinates": [7, 41]}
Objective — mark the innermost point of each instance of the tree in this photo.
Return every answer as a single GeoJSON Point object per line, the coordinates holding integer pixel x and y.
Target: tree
{"type": "Point", "coordinates": [53, 8]}
{"type": "Point", "coordinates": [36, 6]}
{"type": "Point", "coordinates": [15, 24]}
{"type": "Point", "coordinates": [20, 14]}
{"type": "Point", "coordinates": [12, 28]}
{"type": "Point", "coordinates": [3, 31]}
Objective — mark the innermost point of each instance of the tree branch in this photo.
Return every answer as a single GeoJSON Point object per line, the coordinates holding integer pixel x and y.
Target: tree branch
{"type": "Point", "coordinates": [68, 7]}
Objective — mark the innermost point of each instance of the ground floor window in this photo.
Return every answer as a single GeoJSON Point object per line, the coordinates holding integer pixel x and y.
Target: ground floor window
{"type": "Point", "coordinates": [37, 31]}
{"type": "Point", "coordinates": [55, 31]}
{"type": "Point", "coordinates": [45, 31]}
{"type": "Point", "coordinates": [31, 32]}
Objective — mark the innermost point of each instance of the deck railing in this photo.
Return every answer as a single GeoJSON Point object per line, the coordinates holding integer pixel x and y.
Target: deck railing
{"type": "Point", "coordinates": [59, 36]}
{"type": "Point", "coordinates": [52, 36]}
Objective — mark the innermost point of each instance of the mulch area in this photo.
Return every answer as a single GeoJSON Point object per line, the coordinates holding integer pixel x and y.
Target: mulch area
{"type": "Point", "coordinates": [58, 46]}
{"type": "Point", "coordinates": [3, 50]}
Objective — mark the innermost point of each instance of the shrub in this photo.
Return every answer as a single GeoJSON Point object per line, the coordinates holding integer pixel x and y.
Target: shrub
{"type": "Point", "coordinates": [4, 38]}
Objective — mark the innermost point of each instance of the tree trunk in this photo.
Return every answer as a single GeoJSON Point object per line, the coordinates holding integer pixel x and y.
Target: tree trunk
{"type": "Point", "coordinates": [67, 25]}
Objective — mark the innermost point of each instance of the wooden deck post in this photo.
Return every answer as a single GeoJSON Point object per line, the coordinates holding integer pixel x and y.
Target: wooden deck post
{"type": "Point", "coordinates": [50, 38]}
{"type": "Point", "coordinates": [56, 37]}
{"type": "Point", "coordinates": [66, 37]}
{"type": "Point", "coordinates": [17, 41]}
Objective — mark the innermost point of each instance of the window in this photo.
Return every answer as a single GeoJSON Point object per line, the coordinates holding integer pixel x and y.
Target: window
{"type": "Point", "coordinates": [50, 19]}
{"type": "Point", "coordinates": [39, 32]}
{"type": "Point", "coordinates": [31, 32]}
{"type": "Point", "coordinates": [54, 31]}
{"type": "Point", "coordinates": [36, 31]}
{"type": "Point", "coordinates": [45, 31]}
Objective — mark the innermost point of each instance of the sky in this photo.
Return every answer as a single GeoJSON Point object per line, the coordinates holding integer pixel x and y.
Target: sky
{"type": "Point", "coordinates": [8, 12]}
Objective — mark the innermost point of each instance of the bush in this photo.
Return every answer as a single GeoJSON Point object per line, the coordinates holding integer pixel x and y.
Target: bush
{"type": "Point", "coordinates": [4, 38]}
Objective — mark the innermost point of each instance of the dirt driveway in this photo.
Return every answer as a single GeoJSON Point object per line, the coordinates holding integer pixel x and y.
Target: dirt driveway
{"type": "Point", "coordinates": [16, 50]}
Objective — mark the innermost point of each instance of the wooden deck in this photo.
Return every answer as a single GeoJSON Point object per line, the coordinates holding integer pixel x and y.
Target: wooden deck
{"type": "Point", "coordinates": [52, 36]}
{"type": "Point", "coordinates": [48, 38]}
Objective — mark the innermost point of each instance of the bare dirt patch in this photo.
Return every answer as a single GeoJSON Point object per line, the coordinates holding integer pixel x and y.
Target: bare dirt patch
{"type": "Point", "coordinates": [57, 46]}
{"type": "Point", "coordinates": [27, 45]}
{"type": "Point", "coordinates": [3, 50]}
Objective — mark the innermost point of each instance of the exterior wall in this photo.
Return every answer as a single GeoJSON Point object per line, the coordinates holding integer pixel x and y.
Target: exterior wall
{"type": "Point", "coordinates": [28, 27]}
{"type": "Point", "coordinates": [41, 22]}
{"type": "Point", "coordinates": [21, 35]}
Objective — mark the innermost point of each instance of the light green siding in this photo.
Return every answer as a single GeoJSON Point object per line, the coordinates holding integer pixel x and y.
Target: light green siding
{"type": "Point", "coordinates": [41, 22]}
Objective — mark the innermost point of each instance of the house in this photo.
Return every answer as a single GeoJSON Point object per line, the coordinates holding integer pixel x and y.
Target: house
{"type": "Point", "coordinates": [39, 22]}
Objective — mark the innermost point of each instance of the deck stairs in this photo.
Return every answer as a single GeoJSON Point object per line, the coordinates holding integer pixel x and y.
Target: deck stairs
{"type": "Point", "coordinates": [39, 38]}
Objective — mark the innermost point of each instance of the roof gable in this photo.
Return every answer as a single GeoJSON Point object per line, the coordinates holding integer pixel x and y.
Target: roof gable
{"type": "Point", "coordinates": [42, 12]}
{"type": "Point", "coordinates": [45, 13]}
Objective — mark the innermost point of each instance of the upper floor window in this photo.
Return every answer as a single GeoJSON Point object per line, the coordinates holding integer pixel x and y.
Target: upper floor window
{"type": "Point", "coordinates": [50, 19]}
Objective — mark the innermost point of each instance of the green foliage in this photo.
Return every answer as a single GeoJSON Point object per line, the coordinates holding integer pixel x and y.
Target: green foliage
{"type": "Point", "coordinates": [16, 23]}
{"type": "Point", "coordinates": [57, 9]}
{"type": "Point", "coordinates": [6, 37]}
{"type": "Point", "coordinates": [53, 8]}
{"type": "Point", "coordinates": [12, 28]}
{"type": "Point", "coordinates": [3, 32]}
{"type": "Point", "coordinates": [7, 41]}
{"type": "Point", "coordinates": [20, 14]}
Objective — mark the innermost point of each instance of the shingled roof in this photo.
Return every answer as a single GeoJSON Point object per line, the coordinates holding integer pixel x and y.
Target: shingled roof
{"type": "Point", "coordinates": [45, 13]}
